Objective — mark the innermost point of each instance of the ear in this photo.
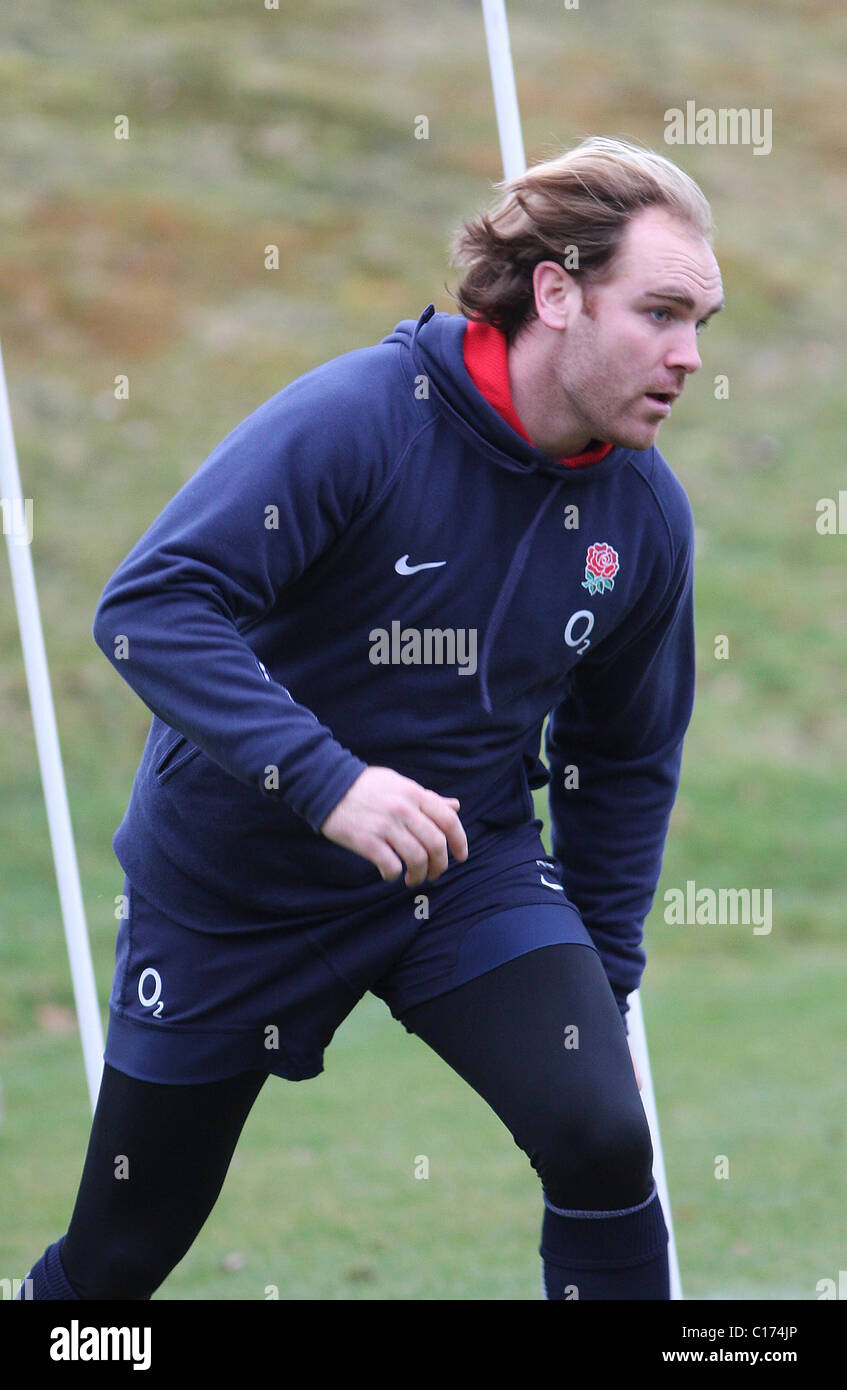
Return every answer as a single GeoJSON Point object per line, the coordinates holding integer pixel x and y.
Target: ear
{"type": "Point", "coordinates": [557, 294]}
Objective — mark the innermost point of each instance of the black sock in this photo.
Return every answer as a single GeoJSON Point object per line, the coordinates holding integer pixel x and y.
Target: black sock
{"type": "Point", "coordinates": [606, 1255]}
{"type": "Point", "coordinates": [48, 1277]}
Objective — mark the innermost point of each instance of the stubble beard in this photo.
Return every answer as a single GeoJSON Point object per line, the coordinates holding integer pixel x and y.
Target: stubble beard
{"type": "Point", "coordinates": [588, 387]}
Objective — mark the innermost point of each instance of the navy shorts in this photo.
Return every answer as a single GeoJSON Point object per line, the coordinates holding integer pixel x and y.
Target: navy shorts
{"type": "Point", "coordinates": [189, 1006]}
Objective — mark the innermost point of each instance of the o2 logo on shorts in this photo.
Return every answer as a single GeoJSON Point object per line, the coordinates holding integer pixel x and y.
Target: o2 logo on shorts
{"type": "Point", "coordinates": [150, 991]}
{"type": "Point", "coordinates": [579, 639]}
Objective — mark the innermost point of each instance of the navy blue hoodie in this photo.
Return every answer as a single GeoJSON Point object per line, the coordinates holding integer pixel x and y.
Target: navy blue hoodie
{"type": "Point", "coordinates": [374, 568]}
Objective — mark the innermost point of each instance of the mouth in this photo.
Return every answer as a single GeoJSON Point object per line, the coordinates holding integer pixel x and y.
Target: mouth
{"type": "Point", "coordinates": [662, 400]}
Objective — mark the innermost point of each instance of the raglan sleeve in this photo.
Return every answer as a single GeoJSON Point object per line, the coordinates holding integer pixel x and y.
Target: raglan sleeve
{"type": "Point", "coordinates": [174, 617]}
{"type": "Point", "coordinates": [614, 749]}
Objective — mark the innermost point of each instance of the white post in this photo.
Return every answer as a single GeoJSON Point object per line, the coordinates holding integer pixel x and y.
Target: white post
{"type": "Point", "coordinates": [514, 163]}
{"type": "Point", "coordinates": [503, 82]}
{"type": "Point", "coordinates": [17, 524]}
{"type": "Point", "coordinates": [638, 1038]}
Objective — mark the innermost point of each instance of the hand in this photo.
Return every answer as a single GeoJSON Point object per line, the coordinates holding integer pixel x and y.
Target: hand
{"type": "Point", "coordinates": [634, 1067]}
{"type": "Point", "coordinates": [391, 820]}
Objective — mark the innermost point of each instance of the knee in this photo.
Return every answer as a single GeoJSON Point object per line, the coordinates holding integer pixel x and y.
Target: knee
{"type": "Point", "coordinates": [602, 1163]}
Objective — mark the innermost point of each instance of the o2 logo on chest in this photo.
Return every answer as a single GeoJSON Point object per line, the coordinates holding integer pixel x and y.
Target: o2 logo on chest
{"type": "Point", "coordinates": [580, 624]}
{"type": "Point", "coordinates": [601, 565]}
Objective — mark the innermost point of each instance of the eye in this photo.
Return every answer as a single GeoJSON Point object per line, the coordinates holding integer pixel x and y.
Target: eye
{"type": "Point", "coordinates": [700, 325]}
{"type": "Point", "coordinates": [660, 311]}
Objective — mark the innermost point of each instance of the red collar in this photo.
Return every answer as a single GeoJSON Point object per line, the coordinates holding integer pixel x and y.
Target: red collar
{"type": "Point", "coordinates": [486, 358]}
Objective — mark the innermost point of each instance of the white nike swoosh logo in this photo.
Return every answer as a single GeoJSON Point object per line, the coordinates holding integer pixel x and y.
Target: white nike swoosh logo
{"type": "Point", "coordinates": [403, 567]}
{"type": "Point", "coordinates": [548, 884]}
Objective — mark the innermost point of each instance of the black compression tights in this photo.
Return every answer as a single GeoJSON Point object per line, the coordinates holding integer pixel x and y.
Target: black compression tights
{"type": "Point", "coordinates": [134, 1220]}
{"type": "Point", "coordinates": [539, 1038]}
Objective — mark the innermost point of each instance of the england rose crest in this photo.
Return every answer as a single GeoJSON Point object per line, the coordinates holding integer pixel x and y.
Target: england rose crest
{"type": "Point", "coordinates": [601, 566]}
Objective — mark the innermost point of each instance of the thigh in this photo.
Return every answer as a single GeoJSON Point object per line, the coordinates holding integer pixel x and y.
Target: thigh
{"type": "Point", "coordinates": [540, 1038]}
{"type": "Point", "coordinates": [505, 900]}
{"type": "Point", "coordinates": [190, 1006]}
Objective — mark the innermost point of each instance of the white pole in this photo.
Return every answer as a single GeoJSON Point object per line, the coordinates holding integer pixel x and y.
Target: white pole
{"type": "Point", "coordinates": [503, 82]}
{"type": "Point", "coordinates": [648, 1099]}
{"type": "Point", "coordinates": [514, 163]}
{"type": "Point", "coordinates": [17, 524]}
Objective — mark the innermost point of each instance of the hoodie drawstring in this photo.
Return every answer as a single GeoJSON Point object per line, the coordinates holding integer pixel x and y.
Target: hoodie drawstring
{"type": "Point", "coordinates": [507, 588]}
{"type": "Point", "coordinates": [519, 558]}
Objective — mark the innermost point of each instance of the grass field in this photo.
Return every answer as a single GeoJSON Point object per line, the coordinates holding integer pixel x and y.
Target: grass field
{"type": "Point", "coordinates": [145, 257]}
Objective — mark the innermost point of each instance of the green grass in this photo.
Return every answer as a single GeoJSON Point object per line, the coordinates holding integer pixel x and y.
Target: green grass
{"type": "Point", "coordinates": [145, 257]}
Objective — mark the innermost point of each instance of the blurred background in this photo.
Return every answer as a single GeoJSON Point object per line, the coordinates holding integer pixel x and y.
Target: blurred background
{"type": "Point", "coordinates": [146, 257]}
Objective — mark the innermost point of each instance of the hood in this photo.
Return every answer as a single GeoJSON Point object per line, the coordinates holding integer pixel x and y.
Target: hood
{"type": "Point", "coordinates": [435, 343]}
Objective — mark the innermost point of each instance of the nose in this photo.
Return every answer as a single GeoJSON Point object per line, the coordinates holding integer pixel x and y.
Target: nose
{"type": "Point", "coordinates": [683, 354]}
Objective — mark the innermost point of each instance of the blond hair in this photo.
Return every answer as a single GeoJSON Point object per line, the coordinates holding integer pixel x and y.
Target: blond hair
{"type": "Point", "coordinates": [573, 209]}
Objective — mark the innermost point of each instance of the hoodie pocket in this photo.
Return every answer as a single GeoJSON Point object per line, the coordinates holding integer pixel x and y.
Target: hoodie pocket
{"type": "Point", "coordinates": [175, 756]}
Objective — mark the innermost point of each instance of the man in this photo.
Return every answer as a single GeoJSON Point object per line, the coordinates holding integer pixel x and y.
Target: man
{"type": "Point", "coordinates": [349, 626]}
